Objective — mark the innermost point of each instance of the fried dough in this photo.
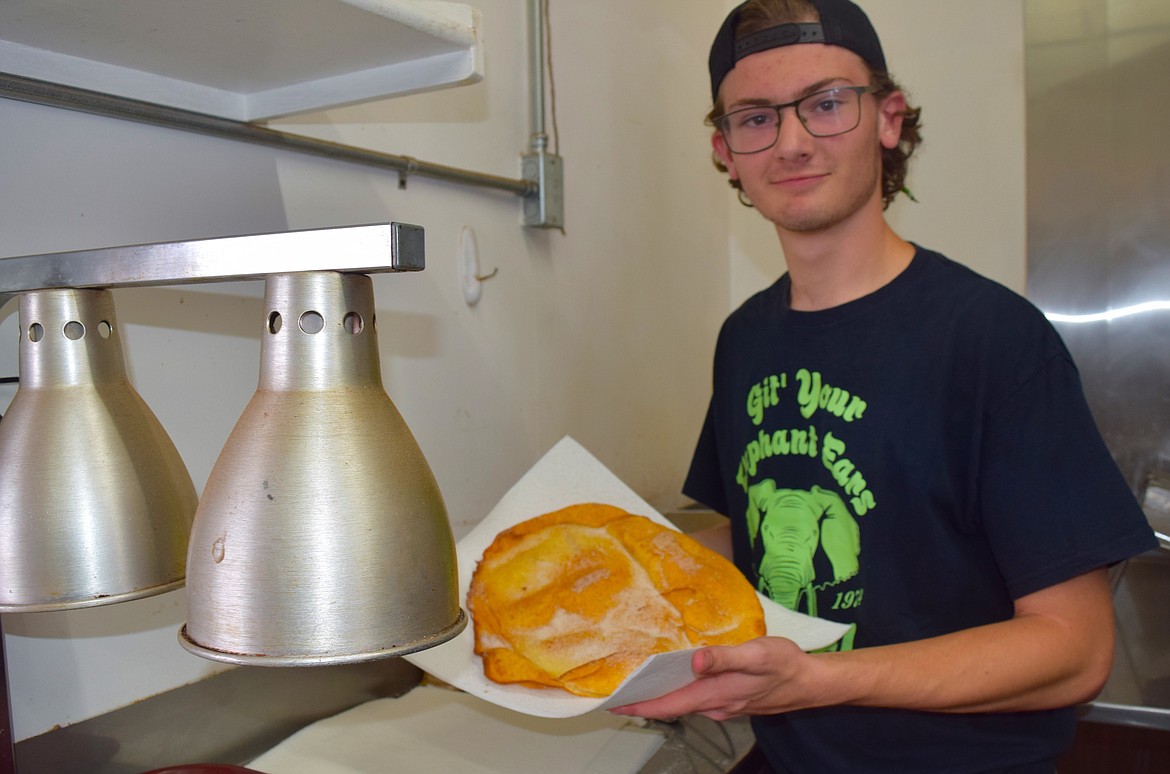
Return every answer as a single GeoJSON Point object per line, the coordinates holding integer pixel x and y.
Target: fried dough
{"type": "Point", "coordinates": [578, 598]}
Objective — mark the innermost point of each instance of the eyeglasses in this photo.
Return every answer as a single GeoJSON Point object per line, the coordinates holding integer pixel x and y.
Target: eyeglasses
{"type": "Point", "coordinates": [824, 114]}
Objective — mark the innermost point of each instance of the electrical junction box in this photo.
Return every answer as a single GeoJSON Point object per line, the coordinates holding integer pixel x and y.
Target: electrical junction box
{"type": "Point", "coordinates": [544, 208]}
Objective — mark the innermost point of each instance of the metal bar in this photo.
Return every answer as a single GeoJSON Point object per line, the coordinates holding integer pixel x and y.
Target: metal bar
{"type": "Point", "coordinates": [539, 139]}
{"type": "Point", "coordinates": [1126, 715]}
{"type": "Point", "coordinates": [7, 740]}
{"type": "Point", "coordinates": [72, 98]}
{"type": "Point", "coordinates": [367, 249]}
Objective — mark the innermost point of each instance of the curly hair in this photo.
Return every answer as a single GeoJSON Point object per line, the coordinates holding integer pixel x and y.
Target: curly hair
{"type": "Point", "coordinates": [759, 15]}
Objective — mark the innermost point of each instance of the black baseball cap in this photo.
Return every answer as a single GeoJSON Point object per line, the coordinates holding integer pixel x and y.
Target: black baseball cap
{"type": "Point", "coordinates": [842, 24]}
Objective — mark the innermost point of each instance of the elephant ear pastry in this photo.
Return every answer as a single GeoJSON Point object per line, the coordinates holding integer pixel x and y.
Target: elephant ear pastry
{"type": "Point", "coordinates": [578, 598]}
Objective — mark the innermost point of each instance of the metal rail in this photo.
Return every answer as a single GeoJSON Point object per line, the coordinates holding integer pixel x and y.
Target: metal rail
{"type": "Point", "coordinates": [366, 249]}
{"type": "Point", "coordinates": [57, 95]}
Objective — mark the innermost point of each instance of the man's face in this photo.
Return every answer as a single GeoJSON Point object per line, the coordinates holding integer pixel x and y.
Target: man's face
{"type": "Point", "coordinates": [804, 183]}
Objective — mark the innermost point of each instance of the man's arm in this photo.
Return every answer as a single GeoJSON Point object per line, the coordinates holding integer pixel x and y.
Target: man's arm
{"type": "Point", "coordinates": [1055, 651]}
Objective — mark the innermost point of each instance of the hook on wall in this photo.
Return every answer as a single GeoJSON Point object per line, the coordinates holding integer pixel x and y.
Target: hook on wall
{"type": "Point", "coordinates": [472, 278]}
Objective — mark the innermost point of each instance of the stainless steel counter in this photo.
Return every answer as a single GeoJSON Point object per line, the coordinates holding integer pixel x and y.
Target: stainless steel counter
{"type": "Point", "coordinates": [238, 715]}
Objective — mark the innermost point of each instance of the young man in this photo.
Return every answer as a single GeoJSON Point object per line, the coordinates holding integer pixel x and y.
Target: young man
{"type": "Point", "coordinates": [900, 445]}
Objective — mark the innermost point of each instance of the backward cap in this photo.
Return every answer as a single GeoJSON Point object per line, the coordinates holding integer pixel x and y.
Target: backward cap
{"type": "Point", "coordinates": [842, 23]}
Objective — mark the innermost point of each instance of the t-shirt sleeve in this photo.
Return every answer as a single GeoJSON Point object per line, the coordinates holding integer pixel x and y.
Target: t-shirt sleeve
{"type": "Point", "coordinates": [1053, 503]}
{"type": "Point", "coordinates": [704, 482]}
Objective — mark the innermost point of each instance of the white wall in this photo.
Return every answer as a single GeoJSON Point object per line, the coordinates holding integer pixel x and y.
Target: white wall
{"type": "Point", "coordinates": [603, 332]}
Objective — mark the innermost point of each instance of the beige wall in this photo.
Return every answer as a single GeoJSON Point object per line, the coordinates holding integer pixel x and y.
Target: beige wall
{"type": "Point", "coordinates": [603, 332]}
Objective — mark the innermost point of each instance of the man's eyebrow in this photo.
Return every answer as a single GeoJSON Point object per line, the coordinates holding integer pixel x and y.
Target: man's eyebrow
{"type": "Point", "coordinates": [812, 88]}
{"type": "Point", "coordinates": [821, 85]}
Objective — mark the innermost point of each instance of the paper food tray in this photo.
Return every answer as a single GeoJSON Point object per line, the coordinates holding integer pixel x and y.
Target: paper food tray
{"type": "Point", "coordinates": [567, 475]}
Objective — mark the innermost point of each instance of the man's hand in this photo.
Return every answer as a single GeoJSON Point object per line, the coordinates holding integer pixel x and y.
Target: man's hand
{"type": "Point", "coordinates": [760, 677]}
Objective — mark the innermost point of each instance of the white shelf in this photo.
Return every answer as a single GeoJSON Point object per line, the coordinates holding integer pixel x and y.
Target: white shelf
{"type": "Point", "coordinates": [245, 60]}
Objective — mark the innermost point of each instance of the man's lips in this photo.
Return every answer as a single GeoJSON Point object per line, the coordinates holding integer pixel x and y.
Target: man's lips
{"type": "Point", "coordinates": [796, 181]}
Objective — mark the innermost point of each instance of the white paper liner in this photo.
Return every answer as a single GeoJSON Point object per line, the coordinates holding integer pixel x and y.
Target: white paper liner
{"type": "Point", "coordinates": [567, 475]}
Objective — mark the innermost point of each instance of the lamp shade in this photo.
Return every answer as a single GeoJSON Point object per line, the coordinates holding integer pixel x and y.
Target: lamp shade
{"type": "Point", "coordinates": [321, 536]}
{"type": "Point", "coordinates": [95, 502]}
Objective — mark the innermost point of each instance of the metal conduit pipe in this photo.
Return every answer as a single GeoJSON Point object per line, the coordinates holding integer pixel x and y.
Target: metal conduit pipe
{"type": "Point", "coordinates": [539, 139]}
{"type": "Point", "coordinates": [545, 208]}
{"type": "Point", "coordinates": [71, 98]}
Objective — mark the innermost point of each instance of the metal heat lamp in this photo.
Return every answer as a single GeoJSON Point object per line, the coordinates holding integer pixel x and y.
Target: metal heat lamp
{"type": "Point", "coordinates": [321, 536]}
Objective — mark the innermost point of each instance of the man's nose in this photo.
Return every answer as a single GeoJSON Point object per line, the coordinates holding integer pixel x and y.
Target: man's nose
{"type": "Point", "coordinates": [793, 139]}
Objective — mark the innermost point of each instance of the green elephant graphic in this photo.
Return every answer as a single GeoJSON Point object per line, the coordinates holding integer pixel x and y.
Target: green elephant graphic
{"type": "Point", "coordinates": [786, 526]}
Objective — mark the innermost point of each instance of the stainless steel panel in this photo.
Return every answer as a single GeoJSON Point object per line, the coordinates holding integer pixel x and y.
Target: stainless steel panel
{"type": "Point", "coordinates": [1098, 75]}
{"type": "Point", "coordinates": [1099, 215]}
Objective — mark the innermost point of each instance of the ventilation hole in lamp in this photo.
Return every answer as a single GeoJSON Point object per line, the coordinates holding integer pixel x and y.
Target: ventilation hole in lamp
{"type": "Point", "coordinates": [312, 322]}
{"type": "Point", "coordinates": [36, 332]}
{"type": "Point", "coordinates": [354, 323]}
{"type": "Point", "coordinates": [105, 330]}
{"type": "Point", "coordinates": [274, 322]}
{"type": "Point", "coordinates": [74, 330]}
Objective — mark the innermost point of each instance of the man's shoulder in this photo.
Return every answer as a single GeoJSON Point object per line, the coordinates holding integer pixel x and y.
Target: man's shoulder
{"type": "Point", "coordinates": [979, 292]}
{"type": "Point", "coordinates": [942, 268]}
{"type": "Point", "coordinates": [771, 300]}
{"type": "Point", "coordinates": [983, 314]}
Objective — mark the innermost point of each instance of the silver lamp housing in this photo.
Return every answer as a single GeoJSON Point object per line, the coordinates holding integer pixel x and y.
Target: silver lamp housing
{"type": "Point", "coordinates": [95, 501]}
{"type": "Point", "coordinates": [321, 536]}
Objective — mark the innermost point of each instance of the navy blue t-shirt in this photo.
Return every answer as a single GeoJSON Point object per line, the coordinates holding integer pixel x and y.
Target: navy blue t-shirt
{"type": "Point", "coordinates": [909, 463]}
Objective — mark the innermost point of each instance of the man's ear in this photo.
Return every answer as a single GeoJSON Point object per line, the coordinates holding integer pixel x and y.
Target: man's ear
{"type": "Point", "coordinates": [723, 153]}
{"type": "Point", "coordinates": [890, 111]}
